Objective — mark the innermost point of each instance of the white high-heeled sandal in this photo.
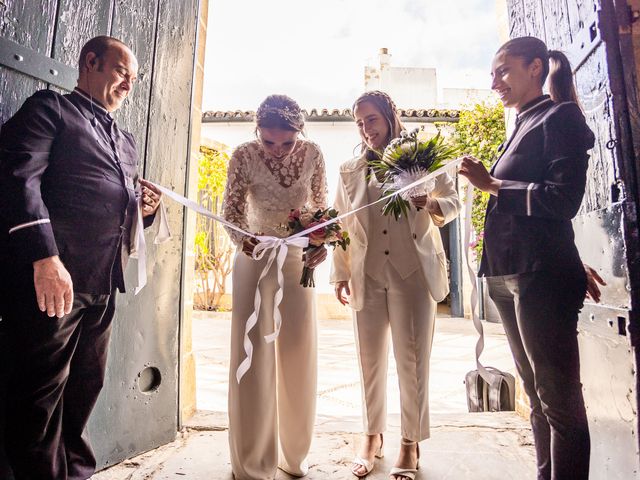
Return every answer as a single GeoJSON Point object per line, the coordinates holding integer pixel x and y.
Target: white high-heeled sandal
{"type": "Point", "coordinates": [407, 472]}
{"type": "Point", "coordinates": [368, 466]}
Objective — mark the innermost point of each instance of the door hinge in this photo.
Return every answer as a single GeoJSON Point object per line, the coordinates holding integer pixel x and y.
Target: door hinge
{"type": "Point", "coordinates": [37, 65]}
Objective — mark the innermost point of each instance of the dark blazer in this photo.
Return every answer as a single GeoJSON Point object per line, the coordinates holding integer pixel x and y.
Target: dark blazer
{"type": "Point", "coordinates": [68, 180]}
{"type": "Point", "coordinates": [543, 171]}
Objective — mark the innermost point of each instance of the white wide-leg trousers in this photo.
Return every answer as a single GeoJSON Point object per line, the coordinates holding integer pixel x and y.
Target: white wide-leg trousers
{"type": "Point", "coordinates": [272, 410]}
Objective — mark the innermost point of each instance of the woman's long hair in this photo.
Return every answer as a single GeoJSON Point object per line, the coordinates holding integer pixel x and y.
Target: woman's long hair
{"type": "Point", "coordinates": [387, 108]}
{"type": "Point", "coordinates": [555, 65]}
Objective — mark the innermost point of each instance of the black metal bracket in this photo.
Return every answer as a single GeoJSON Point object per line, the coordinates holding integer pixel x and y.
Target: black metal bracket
{"type": "Point", "coordinates": [34, 64]}
{"type": "Point", "coordinates": [586, 40]}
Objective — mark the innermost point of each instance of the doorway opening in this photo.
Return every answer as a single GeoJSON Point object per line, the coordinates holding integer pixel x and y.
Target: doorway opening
{"type": "Point", "coordinates": [329, 123]}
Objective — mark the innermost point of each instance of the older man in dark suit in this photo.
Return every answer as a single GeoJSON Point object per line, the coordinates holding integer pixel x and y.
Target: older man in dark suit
{"type": "Point", "coordinates": [69, 193]}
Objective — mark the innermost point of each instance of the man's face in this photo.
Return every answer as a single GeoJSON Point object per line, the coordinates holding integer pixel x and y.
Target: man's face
{"type": "Point", "coordinates": [110, 77]}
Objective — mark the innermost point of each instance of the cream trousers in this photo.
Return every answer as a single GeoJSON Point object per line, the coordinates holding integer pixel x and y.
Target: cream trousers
{"type": "Point", "coordinates": [272, 410]}
{"type": "Point", "coordinates": [405, 308]}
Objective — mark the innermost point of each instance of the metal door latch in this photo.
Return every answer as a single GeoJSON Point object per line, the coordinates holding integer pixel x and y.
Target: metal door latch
{"type": "Point", "coordinates": [37, 65]}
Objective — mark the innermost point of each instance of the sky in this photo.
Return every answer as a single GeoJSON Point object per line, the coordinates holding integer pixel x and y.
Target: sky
{"type": "Point", "coordinates": [315, 50]}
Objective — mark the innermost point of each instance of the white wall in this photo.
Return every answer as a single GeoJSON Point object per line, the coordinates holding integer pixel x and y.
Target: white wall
{"type": "Point", "coordinates": [417, 87]}
{"type": "Point", "coordinates": [463, 97]}
{"type": "Point", "coordinates": [410, 87]}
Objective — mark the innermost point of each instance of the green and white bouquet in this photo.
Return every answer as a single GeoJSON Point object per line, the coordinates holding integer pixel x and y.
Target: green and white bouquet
{"type": "Point", "coordinates": [406, 160]}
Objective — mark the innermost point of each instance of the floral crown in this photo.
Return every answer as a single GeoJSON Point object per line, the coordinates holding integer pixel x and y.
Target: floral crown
{"type": "Point", "coordinates": [292, 116]}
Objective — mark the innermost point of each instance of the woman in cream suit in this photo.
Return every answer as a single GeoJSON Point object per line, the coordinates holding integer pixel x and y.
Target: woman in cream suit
{"type": "Point", "coordinates": [393, 273]}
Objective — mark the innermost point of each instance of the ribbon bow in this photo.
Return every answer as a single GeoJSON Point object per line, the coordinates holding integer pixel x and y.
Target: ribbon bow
{"type": "Point", "coordinates": [278, 248]}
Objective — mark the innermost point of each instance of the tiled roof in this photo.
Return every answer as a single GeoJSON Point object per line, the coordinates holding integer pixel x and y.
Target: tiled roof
{"type": "Point", "coordinates": [336, 115]}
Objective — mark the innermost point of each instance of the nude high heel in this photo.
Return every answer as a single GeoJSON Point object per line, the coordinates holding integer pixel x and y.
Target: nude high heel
{"type": "Point", "coordinates": [368, 466]}
{"type": "Point", "coordinates": [407, 472]}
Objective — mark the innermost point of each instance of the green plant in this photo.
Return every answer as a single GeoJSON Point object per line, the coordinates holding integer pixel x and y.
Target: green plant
{"type": "Point", "coordinates": [212, 172]}
{"type": "Point", "coordinates": [213, 249]}
{"type": "Point", "coordinates": [479, 132]}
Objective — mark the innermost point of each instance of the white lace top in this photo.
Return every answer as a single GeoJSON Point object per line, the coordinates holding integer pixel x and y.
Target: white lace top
{"type": "Point", "coordinates": [262, 190]}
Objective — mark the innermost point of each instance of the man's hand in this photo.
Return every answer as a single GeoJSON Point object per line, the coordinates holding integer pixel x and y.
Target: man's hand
{"type": "Point", "coordinates": [593, 291]}
{"type": "Point", "coordinates": [54, 288]}
{"type": "Point", "coordinates": [150, 198]}
{"type": "Point", "coordinates": [342, 289]}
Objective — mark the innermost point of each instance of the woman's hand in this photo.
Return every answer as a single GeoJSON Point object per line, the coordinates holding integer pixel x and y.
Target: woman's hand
{"type": "Point", "coordinates": [314, 256]}
{"type": "Point", "coordinates": [593, 291]}
{"type": "Point", "coordinates": [342, 290]}
{"type": "Point", "coordinates": [248, 244]}
{"type": "Point", "coordinates": [420, 201]}
{"type": "Point", "coordinates": [427, 202]}
{"type": "Point", "coordinates": [478, 175]}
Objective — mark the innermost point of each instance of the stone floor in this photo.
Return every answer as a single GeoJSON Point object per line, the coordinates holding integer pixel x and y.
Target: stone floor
{"type": "Point", "coordinates": [462, 445]}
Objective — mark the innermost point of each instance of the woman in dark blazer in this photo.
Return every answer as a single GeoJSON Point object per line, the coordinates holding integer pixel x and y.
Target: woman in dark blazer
{"type": "Point", "coordinates": [534, 273]}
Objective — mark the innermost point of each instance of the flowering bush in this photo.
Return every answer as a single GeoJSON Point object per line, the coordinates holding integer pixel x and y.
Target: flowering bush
{"type": "Point", "coordinates": [213, 250]}
{"type": "Point", "coordinates": [479, 132]}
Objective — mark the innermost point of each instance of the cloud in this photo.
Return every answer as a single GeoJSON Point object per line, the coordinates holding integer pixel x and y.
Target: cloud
{"type": "Point", "coordinates": [316, 50]}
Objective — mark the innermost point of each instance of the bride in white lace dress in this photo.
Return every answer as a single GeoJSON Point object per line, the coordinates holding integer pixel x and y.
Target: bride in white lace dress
{"type": "Point", "coordinates": [272, 409]}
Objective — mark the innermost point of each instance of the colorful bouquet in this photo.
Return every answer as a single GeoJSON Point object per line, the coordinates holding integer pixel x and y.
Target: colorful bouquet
{"type": "Point", "coordinates": [301, 219]}
{"type": "Point", "coordinates": [405, 160]}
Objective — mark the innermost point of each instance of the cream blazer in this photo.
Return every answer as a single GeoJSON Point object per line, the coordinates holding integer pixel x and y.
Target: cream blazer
{"type": "Point", "coordinates": [349, 265]}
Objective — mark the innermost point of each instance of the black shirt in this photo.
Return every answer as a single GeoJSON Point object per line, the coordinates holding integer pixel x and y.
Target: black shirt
{"type": "Point", "coordinates": [68, 179]}
{"type": "Point", "coordinates": [543, 171]}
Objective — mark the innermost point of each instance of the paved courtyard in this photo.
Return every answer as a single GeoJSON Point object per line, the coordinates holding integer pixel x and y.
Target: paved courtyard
{"type": "Point", "coordinates": [462, 446]}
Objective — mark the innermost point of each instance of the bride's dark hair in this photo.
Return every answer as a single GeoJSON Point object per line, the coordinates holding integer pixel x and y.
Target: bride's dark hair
{"type": "Point", "coordinates": [280, 111]}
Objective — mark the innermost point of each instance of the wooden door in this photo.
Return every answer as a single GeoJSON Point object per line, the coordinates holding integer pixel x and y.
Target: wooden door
{"type": "Point", "coordinates": [39, 47]}
{"type": "Point", "coordinates": [606, 227]}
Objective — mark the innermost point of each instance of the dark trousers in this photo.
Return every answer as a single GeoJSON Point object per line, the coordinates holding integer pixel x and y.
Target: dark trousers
{"type": "Point", "coordinates": [57, 372]}
{"type": "Point", "coordinates": [539, 312]}
{"type": "Point", "coordinates": [5, 473]}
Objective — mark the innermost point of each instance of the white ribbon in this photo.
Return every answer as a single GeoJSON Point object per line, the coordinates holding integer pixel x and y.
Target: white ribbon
{"type": "Point", "coordinates": [487, 375]}
{"type": "Point", "coordinates": [138, 245]}
{"type": "Point", "coordinates": [190, 204]}
{"type": "Point", "coordinates": [278, 248]}
{"type": "Point", "coordinates": [405, 178]}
